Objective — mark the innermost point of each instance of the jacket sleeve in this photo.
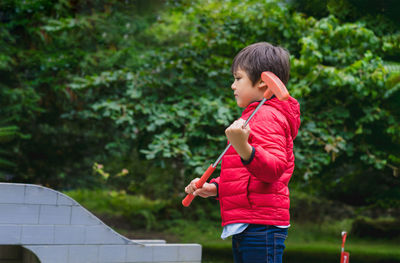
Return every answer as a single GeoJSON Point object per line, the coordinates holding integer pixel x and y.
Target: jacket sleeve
{"type": "Point", "coordinates": [216, 182]}
{"type": "Point", "coordinates": [268, 160]}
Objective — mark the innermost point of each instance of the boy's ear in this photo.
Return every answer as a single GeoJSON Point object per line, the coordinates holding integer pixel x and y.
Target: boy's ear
{"type": "Point", "coordinates": [262, 85]}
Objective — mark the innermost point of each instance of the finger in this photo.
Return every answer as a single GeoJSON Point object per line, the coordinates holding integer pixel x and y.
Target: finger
{"type": "Point", "coordinates": [192, 188]}
{"type": "Point", "coordinates": [234, 126]}
{"type": "Point", "coordinates": [238, 123]}
{"type": "Point", "coordinates": [241, 123]}
{"type": "Point", "coordinates": [233, 123]}
{"type": "Point", "coordinates": [200, 192]}
{"type": "Point", "coordinates": [188, 190]}
{"type": "Point", "coordinates": [195, 180]}
{"type": "Point", "coordinates": [229, 129]}
{"type": "Point", "coordinates": [193, 183]}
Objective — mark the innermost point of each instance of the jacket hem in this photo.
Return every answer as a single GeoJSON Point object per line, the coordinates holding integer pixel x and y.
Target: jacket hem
{"type": "Point", "coordinates": [258, 222]}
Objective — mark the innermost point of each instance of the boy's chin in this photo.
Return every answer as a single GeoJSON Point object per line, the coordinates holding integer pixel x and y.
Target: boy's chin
{"type": "Point", "coordinates": [241, 105]}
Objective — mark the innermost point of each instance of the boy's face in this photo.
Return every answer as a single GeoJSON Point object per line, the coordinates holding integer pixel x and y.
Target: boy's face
{"type": "Point", "coordinates": [245, 92]}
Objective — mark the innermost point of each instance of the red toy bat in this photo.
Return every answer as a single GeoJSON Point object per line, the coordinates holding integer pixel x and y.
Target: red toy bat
{"type": "Point", "coordinates": [274, 87]}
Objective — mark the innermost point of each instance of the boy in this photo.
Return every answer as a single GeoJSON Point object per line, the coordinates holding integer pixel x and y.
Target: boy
{"type": "Point", "coordinates": [253, 185]}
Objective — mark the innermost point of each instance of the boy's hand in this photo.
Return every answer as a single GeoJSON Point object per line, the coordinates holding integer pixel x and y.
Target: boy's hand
{"type": "Point", "coordinates": [238, 137]}
{"type": "Point", "coordinates": [206, 191]}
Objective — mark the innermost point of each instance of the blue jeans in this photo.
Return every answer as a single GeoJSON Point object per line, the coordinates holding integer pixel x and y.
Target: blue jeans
{"type": "Point", "coordinates": [259, 243]}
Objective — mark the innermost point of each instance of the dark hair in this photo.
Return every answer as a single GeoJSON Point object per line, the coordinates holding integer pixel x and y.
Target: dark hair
{"type": "Point", "coordinates": [260, 57]}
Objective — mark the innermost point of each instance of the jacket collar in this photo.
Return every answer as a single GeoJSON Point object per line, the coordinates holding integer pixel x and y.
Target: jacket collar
{"type": "Point", "coordinates": [254, 104]}
{"type": "Point", "coordinates": [290, 109]}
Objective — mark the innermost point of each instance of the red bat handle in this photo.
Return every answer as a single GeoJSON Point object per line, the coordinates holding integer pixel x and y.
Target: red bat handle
{"type": "Point", "coordinates": [199, 184]}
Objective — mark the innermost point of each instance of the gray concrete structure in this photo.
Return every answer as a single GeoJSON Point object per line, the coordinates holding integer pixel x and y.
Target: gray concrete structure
{"type": "Point", "coordinates": [56, 228]}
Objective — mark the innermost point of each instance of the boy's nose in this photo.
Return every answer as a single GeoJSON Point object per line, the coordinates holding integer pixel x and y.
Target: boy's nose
{"type": "Point", "coordinates": [233, 86]}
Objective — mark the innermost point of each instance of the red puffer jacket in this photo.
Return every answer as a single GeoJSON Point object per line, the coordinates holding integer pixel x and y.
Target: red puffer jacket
{"type": "Point", "coordinates": [257, 191]}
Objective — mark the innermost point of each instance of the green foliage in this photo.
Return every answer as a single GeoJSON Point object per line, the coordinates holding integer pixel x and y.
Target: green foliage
{"type": "Point", "coordinates": [145, 86]}
{"type": "Point", "coordinates": [178, 106]}
{"type": "Point", "coordinates": [142, 212]}
{"type": "Point", "coordinates": [139, 210]}
{"type": "Point", "coordinates": [43, 45]}
{"type": "Point", "coordinates": [316, 210]}
{"type": "Point", "coordinates": [345, 84]}
{"type": "Point", "coordinates": [386, 228]}
{"type": "Point", "coordinates": [335, 60]}
{"type": "Point", "coordinates": [6, 134]}
{"type": "Point", "coordinates": [373, 11]}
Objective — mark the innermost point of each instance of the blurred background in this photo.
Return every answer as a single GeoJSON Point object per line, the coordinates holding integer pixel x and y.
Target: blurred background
{"type": "Point", "coordinates": [120, 104]}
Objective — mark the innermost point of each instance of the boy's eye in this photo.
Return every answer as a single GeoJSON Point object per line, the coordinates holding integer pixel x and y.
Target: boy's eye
{"type": "Point", "coordinates": [237, 78]}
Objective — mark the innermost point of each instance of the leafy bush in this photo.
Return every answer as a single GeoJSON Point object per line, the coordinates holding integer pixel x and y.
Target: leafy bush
{"type": "Point", "coordinates": [330, 59]}
{"type": "Point", "coordinates": [43, 45]}
{"type": "Point", "coordinates": [102, 82]}
{"type": "Point", "coordinates": [308, 208]}
{"type": "Point", "coordinates": [139, 210]}
{"type": "Point", "coordinates": [6, 134]}
{"type": "Point", "coordinates": [142, 212]}
{"type": "Point", "coordinates": [376, 228]}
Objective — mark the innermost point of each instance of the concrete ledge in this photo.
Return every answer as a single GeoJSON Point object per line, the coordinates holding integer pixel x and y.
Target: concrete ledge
{"type": "Point", "coordinates": [149, 241]}
{"type": "Point", "coordinates": [117, 253]}
{"type": "Point", "coordinates": [57, 229]}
